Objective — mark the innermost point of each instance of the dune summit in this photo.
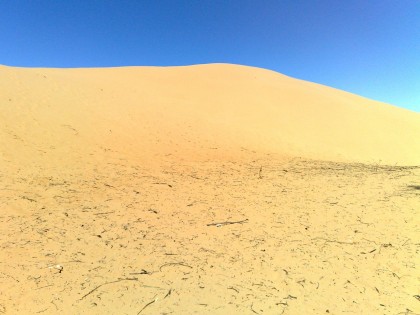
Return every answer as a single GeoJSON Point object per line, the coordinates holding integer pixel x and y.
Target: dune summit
{"type": "Point", "coordinates": [194, 112]}
{"type": "Point", "coordinates": [213, 189]}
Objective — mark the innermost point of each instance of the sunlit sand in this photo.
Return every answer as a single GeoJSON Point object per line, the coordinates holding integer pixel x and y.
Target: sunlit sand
{"type": "Point", "coordinates": [208, 189]}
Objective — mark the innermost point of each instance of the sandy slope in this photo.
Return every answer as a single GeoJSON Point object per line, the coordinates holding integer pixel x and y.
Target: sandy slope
{"type": "Point", "coordinates": [121, 176]}
{"type": "Point", "coordinates": [187, 111]}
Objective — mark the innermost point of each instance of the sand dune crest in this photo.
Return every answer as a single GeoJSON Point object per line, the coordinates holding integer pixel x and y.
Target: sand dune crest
{"type": "Point", "coordinates": [188, 111]}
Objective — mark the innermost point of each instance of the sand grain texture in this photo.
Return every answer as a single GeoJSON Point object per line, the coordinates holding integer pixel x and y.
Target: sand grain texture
{"type": "Point", "coordinates": [212, 189]}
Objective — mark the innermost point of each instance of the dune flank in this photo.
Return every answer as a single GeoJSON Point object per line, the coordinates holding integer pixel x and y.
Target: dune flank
{"type": "Point", "coordinates": [210, 189]}
{"type": "Point", "coordinates": [190, 112]}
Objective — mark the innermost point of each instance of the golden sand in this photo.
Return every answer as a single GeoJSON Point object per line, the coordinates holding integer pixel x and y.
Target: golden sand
{"type": "Point", "coordinates": [211, 189]}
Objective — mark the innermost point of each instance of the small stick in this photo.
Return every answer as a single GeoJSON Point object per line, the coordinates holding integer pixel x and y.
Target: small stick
{"type": "Point", "coordinates": [175, 263]}
{"type": "Point", "coordinates": [93, 290]}
{"type": "Point", "coordinates": [10, 276]}
{"type": "Point", "coordinates": [154, 300]}
{"type": "Point", "coordinates": [408, 239]}
{"type": "Point", "coordinates": [227, 223]}
{"type": "Point", "coordinates": [29, 199]}
{"type": "Point", "coordinates": [142, 272]}
{"type": "Point", "coordinates": [252, 309]}
{"type": "Point", "coordinates": [163, 184]}
{"type": "Point", "coordinates": [332, 241]}
{"type": "Point", "coordinates": [234, 289]}
{"type": "Point", "coordinates": [100, 213]}
{"type": "Point", "coordinates": [168, 294]}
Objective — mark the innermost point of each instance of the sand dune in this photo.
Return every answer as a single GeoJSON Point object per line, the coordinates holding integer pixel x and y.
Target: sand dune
{"type": "Point", "coordinates": [188, 111]}
{"type": "Point", "coordinates": [211, 189]}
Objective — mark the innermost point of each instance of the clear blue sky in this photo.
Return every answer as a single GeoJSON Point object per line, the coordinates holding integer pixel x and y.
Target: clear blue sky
{"type": "Point", "coordinates": [368, 47]}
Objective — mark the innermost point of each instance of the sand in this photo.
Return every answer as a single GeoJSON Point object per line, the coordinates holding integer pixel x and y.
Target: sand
{"type": "Point", "coordinates": [210, 189]}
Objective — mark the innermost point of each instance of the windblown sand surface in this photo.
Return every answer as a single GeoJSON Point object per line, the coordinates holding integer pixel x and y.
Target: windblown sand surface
{"type": "Point", "coordinates": [213, 189]}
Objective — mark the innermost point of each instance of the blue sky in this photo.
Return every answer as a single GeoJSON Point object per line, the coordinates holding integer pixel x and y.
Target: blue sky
{"type": "Point", "coordinates": [368, 47]}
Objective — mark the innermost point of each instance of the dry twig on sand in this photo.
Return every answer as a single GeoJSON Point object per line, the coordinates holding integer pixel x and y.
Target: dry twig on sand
{"type": "Point", "coordinates": [119, 280]}
{"type": "Point", "coordinates": [252, 309]}
{"type": "Point", "coordinates": [142, 272]}
{"type": "Point", "coordinates": [102, 213]}
{"type": "Point", "coordinates": [168, 294]}
{"type": "Point", "coordinates": [151, 302]}
{"type": "Point", "coordinates": [169, 185]}
{"type": "Point", "coordinates": [173, 264]}
{"type": "Point", "coordinates": [227, 223]}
